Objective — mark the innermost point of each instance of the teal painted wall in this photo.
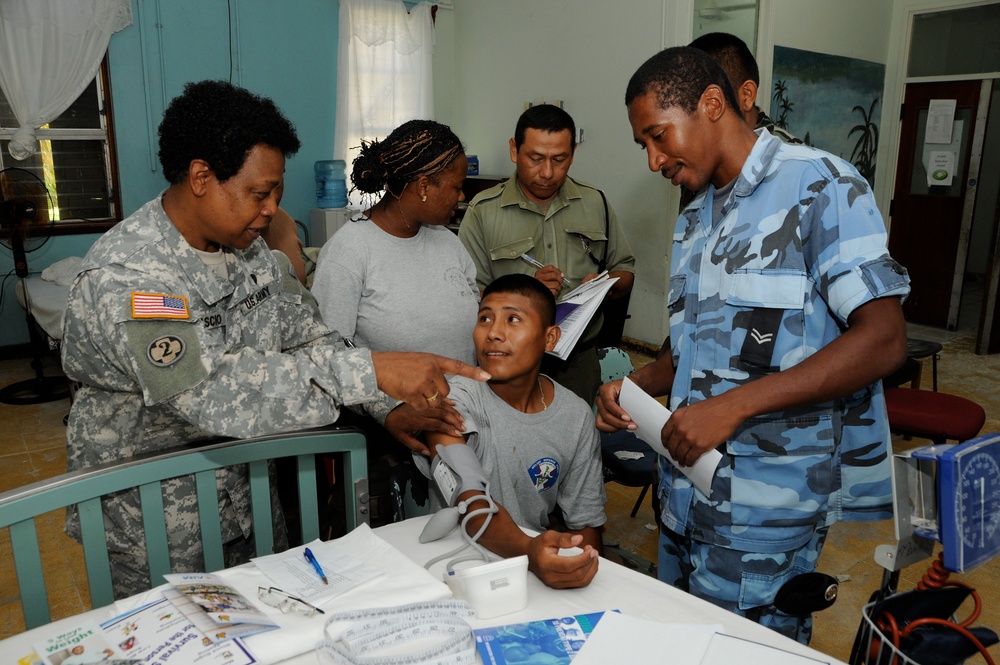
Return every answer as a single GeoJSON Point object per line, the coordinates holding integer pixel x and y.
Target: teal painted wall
{"type": "Point", "coordinates": [283, 50]}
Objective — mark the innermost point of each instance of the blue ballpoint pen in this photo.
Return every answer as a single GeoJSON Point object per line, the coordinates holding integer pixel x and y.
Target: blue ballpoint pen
{"type": "Point", "coordinates": [537, 264]}
{"type": "Point", "coordinates": [315, 564]}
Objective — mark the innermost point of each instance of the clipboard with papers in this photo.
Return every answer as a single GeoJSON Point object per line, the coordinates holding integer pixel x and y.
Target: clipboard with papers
{"type": "Point", "coordinates": [575, 309]}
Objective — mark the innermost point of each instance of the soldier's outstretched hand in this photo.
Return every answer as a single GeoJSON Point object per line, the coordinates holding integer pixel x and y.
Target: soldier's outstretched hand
{"type": "Point", "coordinates": [419, 378]}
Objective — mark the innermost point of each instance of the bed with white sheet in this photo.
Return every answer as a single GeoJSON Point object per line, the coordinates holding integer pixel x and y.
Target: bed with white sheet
{"type": "Point", "coordinates": [44, 296]}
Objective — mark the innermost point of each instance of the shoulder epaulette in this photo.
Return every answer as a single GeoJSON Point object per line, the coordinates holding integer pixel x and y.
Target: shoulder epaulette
{"type": "Point", "coordinates": [488, 194]}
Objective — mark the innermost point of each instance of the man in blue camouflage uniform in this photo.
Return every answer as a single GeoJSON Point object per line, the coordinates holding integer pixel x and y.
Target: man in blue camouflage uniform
{"type": "Point", "coordinates": [784, 313]}
{"type": "Point", "coordinates": [182, 326]}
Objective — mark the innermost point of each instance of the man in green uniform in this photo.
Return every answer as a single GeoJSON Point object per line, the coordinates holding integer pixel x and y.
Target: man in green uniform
{"type": "Point", "coordinates": [540, 216]}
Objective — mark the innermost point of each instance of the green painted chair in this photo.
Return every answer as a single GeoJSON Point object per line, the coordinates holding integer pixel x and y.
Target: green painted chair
{"type": "Point", "coordinates": [19, 507]}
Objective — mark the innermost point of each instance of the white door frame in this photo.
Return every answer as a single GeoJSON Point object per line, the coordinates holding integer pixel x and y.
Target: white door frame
{"type": "Point", "coordinates": [903, 13]}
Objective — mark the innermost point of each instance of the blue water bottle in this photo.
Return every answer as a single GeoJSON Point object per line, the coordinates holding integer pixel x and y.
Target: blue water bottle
{"type": "Point", "coordinates": [331, 183]}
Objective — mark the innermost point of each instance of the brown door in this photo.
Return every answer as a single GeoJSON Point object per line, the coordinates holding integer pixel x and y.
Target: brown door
{"type": "Point", "coordinates": [930, 224]}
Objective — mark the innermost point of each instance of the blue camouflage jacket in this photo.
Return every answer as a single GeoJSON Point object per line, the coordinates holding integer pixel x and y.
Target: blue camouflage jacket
{"type": "Point", "coordinates": [799, 245]}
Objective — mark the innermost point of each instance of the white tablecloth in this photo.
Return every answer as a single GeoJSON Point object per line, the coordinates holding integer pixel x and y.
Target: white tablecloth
{"type": "Point", "coordinates": [614, 588]}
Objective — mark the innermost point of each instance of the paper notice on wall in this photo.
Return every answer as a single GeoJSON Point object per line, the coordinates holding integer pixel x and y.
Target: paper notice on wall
{"type": "Point", "coordinates": [940, 168]}
{"type": "Point", "coordinates": [940, 118]}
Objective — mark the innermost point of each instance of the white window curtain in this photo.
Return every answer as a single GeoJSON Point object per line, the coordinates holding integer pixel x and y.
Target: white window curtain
{"type": "Point", "coordinates": [383, 73]}
{"type": "Point", "coordinates": [50, 51]}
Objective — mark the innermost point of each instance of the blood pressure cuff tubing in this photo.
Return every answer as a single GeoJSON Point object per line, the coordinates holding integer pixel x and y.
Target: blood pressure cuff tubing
{"type": "Point", "coordinates": [456, 469]}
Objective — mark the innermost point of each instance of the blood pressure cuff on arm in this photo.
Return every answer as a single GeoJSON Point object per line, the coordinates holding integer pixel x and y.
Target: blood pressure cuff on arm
{"type": "Point", "coordinates": [456, 469]}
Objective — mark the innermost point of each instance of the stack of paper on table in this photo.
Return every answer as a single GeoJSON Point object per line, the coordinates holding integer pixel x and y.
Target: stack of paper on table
{"type": "Point", "coordinates": [575, 310]}
{"type": "Point", "coordinates": [399, 581]}
{"type": "Point", "coordinates": [623, 639]}
{"type": "Point", "coordinates": [291, 572]}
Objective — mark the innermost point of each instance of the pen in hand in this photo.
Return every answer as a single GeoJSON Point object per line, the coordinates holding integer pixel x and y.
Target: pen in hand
{"type": "Point", "coordinates": [532, 261]}
{"type": "Point", "coordinates": [311, 558]}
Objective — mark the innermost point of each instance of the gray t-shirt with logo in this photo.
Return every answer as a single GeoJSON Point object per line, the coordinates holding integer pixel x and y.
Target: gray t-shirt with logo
{"type": "Point", "coordinates": [535, 461]}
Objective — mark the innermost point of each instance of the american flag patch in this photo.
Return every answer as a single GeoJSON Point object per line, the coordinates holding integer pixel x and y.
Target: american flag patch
{"type": "Point", "coordinates": [158, 306]}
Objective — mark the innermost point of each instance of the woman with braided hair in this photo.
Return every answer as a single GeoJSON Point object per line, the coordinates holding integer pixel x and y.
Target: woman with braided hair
{"type": "Point", "coordinates": [396, 278]}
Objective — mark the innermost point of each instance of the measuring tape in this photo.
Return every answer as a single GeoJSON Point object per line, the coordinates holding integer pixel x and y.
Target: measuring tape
{"type": "Point", "coordinates": [373, 630]}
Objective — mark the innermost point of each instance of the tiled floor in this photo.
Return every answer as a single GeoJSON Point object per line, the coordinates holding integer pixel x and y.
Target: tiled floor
{"type": "Point", "coordinates": [32, 446]}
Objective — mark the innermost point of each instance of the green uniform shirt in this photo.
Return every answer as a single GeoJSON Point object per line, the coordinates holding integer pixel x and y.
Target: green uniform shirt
{"type": "Point", "coordinates": [501, 224]}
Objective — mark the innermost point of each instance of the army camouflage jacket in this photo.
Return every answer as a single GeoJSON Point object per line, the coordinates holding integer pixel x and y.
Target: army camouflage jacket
{"type": "Point", "coordinates": [798, 246]}
{"type": "Point", "coordinates": [168, 352]}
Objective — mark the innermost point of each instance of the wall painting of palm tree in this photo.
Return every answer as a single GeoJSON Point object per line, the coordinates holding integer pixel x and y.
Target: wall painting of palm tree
{"type": "Point", "coordinates": [829, 101]}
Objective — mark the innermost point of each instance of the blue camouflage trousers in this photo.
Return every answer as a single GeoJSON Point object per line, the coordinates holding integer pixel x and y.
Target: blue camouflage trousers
{"type": "Point", "coordinates": [744, 583]}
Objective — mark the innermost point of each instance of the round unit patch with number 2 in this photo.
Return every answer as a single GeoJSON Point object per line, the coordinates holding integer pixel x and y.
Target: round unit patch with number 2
{"type": "Point", "coordinates": [165, 351]}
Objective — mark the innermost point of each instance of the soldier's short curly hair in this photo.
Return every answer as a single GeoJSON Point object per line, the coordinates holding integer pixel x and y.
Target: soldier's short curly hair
{"type": "Point", "coordinates": [529, 287]}
{"type": "Point", "coordinates": [677, 77]}
{"type": "Point", "coordinates": [414, 149]}
{"type": "Point", "coordinates": [220, 123]}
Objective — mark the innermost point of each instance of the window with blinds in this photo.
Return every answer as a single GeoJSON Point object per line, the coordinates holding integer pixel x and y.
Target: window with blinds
{"type": "Point", "coordinates": [75, 159]}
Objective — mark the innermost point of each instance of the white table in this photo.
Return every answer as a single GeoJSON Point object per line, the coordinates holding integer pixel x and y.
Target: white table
{"type": "Point", "coordinates": [615, 587]}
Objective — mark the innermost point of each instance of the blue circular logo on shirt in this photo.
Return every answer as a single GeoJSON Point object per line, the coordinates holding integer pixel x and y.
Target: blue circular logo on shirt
{"type": "Point", "coordinates": [544, 473]}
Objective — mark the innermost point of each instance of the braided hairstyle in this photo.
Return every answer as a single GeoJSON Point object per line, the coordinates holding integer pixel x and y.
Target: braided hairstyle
{"type": "Point", "coordinates": [414, 149]}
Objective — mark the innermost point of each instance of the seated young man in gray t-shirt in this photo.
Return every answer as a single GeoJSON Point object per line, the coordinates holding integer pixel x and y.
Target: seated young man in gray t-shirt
{"type": "Point", "coordinates": [537, 441]}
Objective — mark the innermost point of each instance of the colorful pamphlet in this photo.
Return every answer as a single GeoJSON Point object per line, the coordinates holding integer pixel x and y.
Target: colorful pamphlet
{"type": "Point", "coordinates": [85, 643]}
{"type": "Point", "coordinates": [215, 608]}
{"type": "Point", "coordinates": [159, 633]}
{"type": "Point", "coordinates": [552, 641]}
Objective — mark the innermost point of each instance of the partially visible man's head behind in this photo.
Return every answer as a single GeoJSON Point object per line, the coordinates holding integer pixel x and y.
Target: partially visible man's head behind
{"type": "Point", "coordinates": [735, 58]}
{"type": "Point", "coordinates": [732, 54]}
{"type": "Point", "coordinates": [220, 123]}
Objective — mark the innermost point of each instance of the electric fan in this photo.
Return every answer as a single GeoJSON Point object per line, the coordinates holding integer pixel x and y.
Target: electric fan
{"type": "Point", "coordinates": [25, 224]}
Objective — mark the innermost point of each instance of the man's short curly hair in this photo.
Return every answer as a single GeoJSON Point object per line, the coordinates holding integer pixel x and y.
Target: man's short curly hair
{"type": "Point", "coordinates": [677, 77]}
{"type": "Point", "coordinates": [220, 123]}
